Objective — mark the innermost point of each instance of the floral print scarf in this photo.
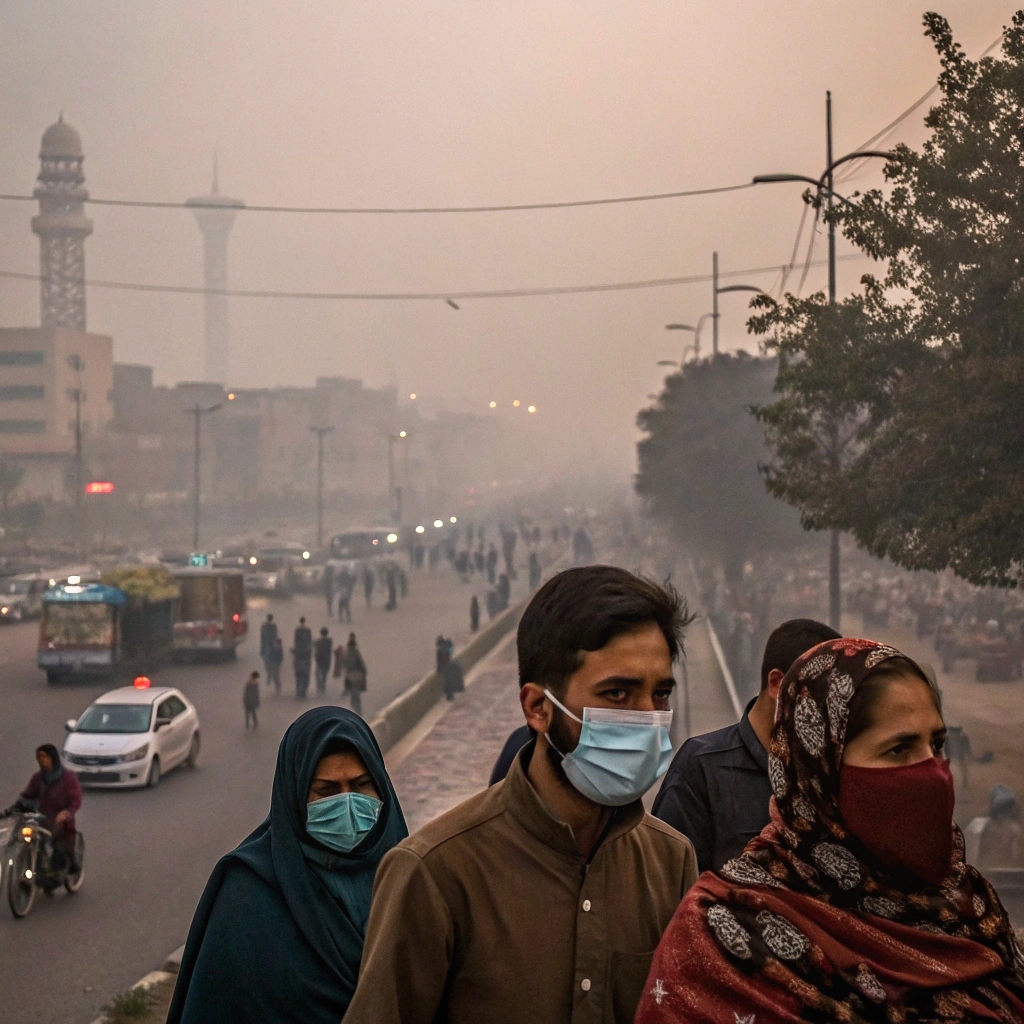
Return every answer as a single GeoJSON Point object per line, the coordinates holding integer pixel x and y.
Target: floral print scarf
{"type": "Point", "coordinates": [807, 924]}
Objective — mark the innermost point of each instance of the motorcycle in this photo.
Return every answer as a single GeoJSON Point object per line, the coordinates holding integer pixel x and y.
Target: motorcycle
{"type": "Point", "coordinates": [32, 866]}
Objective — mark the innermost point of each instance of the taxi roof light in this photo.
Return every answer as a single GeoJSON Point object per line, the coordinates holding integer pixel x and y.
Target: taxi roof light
{"type": "Point", "coordinates": [142, 683]}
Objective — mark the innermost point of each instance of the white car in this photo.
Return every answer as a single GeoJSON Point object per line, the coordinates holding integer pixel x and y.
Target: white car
{"type": "Point", "coordinates": [131, 736]}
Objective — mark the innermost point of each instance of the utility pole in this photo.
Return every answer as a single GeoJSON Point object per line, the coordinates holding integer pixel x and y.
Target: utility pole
{"type": "Point", "coordinates": [835, 609]}
{"type": "Point", "coordinates": [76, 364]}
{"type": "Point", "coordinates": [714, 308]}
{"type": "Point", "coordinates": [394, 493]}
{"type": "Point", "coordinates": [320, 433]}
{"type": "Point", "coordinates": [198, 412]}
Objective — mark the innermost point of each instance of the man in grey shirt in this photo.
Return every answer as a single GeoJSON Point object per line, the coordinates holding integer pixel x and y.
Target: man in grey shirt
{"type": "Point", "coordinates": [716, 790]}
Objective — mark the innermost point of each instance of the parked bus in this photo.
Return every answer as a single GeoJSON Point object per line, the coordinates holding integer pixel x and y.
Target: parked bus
{"type": "Point", "coordinates": [210, 618]}
{"type": "Point", "coordinates": [359, 545]}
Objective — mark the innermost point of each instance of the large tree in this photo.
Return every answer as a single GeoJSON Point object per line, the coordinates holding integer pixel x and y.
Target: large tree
{"type": "Point", "coordinates": [922, 372]}
{"type": "Point", "coordinates": [698, 463]}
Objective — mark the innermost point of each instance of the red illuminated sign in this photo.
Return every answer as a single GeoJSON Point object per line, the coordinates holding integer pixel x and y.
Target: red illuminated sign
{"type": "Point", "coordinates": [99, 487]}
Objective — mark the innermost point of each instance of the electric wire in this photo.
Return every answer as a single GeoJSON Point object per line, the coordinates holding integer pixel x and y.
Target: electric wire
{"type": "Point", "coordinates": [198, 204]}
{"type": "Point", "coordinates": [444, 296]}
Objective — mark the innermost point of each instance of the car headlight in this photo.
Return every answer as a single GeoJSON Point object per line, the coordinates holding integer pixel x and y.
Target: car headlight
{"type": "Point", "coordinates": [135, 755]}
{"type": "Point", "coordinates": [4, 610]}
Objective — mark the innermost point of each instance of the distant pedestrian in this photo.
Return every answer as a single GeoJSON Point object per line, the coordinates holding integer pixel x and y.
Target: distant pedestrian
{"type": "Point", "coordinates": [368, 584]}
{"type": "Point", "coordinates": [493, 604]}
{"type": "Point", "coordinates": [345, 588]}
{"type": "Point", "coordinates": [474, 614]}
{"type": "Point", "coordinates": [452, 678]}
{"type": "Point", "coordinates": [440, 652]}
{"type": "Point", "coordinates": [273, 662]}
{"type": "Point", "coordinates": [535, 571]}
{"type": "Point", "coordinates": [355, 675]}
{"type": "Point", "coordinates": [504, 592]}
{"type": "Point", "coordinates": [329, 588]}
{"type": "Point", "coordinates": [323, 650]}
{"type": "Point", "coordinates": [251, 700]}
{"type": "Point", "coordinates": [492, 564]}
{"type": "Point", "coordinates": [403, 584]}
{"type": "Point", "coordinates": [302, 658]}
{"type": "Point", "coordinates": [268, 638]}
{"type": "Point", "coordinates": [392, 590]}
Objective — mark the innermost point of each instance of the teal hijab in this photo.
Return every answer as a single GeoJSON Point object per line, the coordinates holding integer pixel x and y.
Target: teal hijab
{"type": "Point", "coordinates": [278, 933]}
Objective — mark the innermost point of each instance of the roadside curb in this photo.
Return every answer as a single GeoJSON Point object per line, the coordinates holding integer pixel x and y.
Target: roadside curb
{"type": "Point", "coordinates": [169, 971]}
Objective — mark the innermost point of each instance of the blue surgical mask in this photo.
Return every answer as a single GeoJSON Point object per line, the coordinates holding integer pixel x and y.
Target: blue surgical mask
{"type": "Point", "coordinates": [620, 755]}
{"type": "Point", "coordinates": [343, 821]}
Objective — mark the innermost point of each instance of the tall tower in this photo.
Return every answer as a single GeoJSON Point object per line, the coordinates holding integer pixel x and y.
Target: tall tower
{"type": "Point", "coordinates": [215, 215]}
{"type": "Point", "coordinates": [62, 227]}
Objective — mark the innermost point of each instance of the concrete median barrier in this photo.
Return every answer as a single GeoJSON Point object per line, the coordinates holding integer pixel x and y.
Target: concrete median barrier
{"type": "Point", "coordinates": [394, 720]}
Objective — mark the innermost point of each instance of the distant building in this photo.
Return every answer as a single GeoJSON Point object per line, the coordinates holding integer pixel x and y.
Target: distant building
{"type": "Point", "coordinates": [42, 371]}
{"type": "Point", "coordinates": [215, 215]}
{"type": "Point", "coordinates": [56, 375]}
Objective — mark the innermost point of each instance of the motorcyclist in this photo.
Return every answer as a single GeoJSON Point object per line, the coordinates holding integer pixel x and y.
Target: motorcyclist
{"type": "Point", "coordinates": [54, 792]}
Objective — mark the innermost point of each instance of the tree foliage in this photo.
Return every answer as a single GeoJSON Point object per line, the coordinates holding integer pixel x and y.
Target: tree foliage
{"type": "Point", "coordinates": [10, 477]}
{"type": "Point", "coordinates": [698, 463]}
{"type": "Point", "coordinates": [921, 374]}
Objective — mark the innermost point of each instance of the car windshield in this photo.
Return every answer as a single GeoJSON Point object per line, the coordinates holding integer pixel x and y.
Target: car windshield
{"type": "Point", "coordinates": [115, 718]}
{"type": "Point", "coordinates": [14, 587]}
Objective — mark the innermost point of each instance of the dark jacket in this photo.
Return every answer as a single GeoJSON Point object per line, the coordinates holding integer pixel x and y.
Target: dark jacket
{"type": "Point", "coordinates": [355, 670]}
{"type": "Point", "coordinates": [323, 649]}
{"type": "Point", "coordinates": [64, 794]}
{"type": "Point", "coordinates": [268, 637]}
{"type": "Point", "coordinates": [251, 695]}
{"type": "Point", "coordinates": [303, 645]}
{"type": "Point", "coordinates": [716, 792]}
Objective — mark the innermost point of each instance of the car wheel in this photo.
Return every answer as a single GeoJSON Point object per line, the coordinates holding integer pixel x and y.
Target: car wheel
{"type": "Point", "coordinates": [153, 778]}
{"type": "Point", "coordinates": [73, 882]}
{"type": "Point", "coordinates": [193, 751]}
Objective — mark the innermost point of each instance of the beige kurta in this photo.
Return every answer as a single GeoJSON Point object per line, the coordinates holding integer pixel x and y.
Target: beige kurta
{"type": "Point", "coordinates": [490, 915]}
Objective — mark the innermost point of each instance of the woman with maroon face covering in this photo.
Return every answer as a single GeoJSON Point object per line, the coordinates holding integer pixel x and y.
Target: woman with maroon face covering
{"type": "Point", "coordinates": [854, 903]}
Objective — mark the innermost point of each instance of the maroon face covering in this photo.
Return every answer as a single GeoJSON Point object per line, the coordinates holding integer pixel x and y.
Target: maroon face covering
{"type": "Point", "coordinates": [904, 815]}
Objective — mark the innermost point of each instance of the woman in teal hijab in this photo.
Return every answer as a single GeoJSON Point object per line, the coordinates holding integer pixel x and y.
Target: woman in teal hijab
{"type": "Point", "coordinates": [278, 933]}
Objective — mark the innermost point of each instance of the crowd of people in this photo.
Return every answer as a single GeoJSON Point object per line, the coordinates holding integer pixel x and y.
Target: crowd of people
{"type": "Point", "coordinates": [344, 661]}
{"type": "Point", "coordinates": [833, 883]}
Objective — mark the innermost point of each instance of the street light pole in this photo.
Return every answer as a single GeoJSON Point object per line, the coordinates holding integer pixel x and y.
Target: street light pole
{"type": "Point", "coordinates": [714, 314]}
{"type": "Point", "coordinates": [198, 412]}
{"type": "Point", "coordinates": [826, 184]}
{"type": "Point", "coordinates": [75, 362]}
{"type": "Point", "coordinates": [394, 494]}
{"type": "Point", "coordinates": [320, 432]}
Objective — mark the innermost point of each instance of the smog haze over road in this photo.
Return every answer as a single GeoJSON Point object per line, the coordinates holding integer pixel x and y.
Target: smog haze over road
{"type": "Point", "coordinates": [436, 104]}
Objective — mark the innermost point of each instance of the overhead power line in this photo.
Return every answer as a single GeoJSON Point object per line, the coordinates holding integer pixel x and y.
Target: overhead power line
{"type": "Point", "coordinates": [194, 204]}
{"type": "Point", "coordinates": [495, 293]}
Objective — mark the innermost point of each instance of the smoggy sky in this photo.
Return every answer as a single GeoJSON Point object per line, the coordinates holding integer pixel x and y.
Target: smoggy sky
{"type": "Point", "coordinates": [440, 102]}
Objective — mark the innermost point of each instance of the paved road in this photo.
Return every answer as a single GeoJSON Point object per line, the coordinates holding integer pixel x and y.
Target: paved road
{"type": "Point", "coordinates": [151, 851]}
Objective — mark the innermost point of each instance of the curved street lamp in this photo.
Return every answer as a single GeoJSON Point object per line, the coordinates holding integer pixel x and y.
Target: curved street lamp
{"type": "Point", "coordinates": [824, 184]}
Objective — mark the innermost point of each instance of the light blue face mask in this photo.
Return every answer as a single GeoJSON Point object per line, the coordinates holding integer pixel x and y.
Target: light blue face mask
{"type": "Point", "coordinates": [343, 821]}
{"type": "Point", "coordinates": [620, 755]}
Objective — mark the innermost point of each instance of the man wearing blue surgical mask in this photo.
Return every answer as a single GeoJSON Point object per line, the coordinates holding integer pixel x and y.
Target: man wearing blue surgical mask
{"type": "Point", "coordinates": [543, 897]}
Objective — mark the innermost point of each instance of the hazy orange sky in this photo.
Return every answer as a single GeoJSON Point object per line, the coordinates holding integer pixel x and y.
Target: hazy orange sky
{"type": "Point", "coordinates": [442, 102]}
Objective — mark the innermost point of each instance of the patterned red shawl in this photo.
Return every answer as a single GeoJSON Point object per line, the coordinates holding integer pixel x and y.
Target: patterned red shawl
{"type": "Point", "coordinates": [807, 924]}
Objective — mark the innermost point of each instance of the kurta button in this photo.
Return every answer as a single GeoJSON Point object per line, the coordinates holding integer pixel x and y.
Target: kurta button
{"type": "Point", "coordinates": [586, 904]}
{"type": "Point", "coordinates": [585, 984]}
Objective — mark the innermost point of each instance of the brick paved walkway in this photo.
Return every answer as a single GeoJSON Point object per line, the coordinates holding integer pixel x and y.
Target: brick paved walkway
{"type": "Point", "coordinates": [455, 759]}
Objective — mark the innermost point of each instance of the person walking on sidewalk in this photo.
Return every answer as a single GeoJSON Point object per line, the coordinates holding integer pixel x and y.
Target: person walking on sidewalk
{"type": "Point", "coordinates": [369, 581]}
{"type": "Point", "coordinates": [278, 933]}
{"type": "Point", "coordinates": [329, 588]}
{"type": "Point", "coordinates": [251, 700]}
{"type": "Point", "coordinates": [323, 650]}
{"type": "Point", "coordinates": [555, 875]}
{"type": "Point", "coordinates": [346, 585]}
{"type": "Point", "coordinates": [273, 662]}
{"type": "Point", "coordinates": [302, 658]}
{"type": "Point", "coordinates": [474, 614]}
{"type": "Point", "coordinates": [268, 638]}
{"type": "Point", "coordinates": [355, 675]}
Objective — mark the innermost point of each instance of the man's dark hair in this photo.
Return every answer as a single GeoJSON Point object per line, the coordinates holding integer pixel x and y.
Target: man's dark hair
{"type": "Point", "coordinates": [582, 609]}
{"type": "Point", "coordinates": [789, 641]}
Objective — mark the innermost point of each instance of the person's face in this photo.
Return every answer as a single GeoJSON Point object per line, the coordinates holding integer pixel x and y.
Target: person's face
{"type": "Point", "coordinates": [341, 773]}
{"type": "Point", "coordinates": [632, 671]}
{"type": "Point", "coordinates": [44, 761]}
{"type": "Point", "coordinates": [907, 727]}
